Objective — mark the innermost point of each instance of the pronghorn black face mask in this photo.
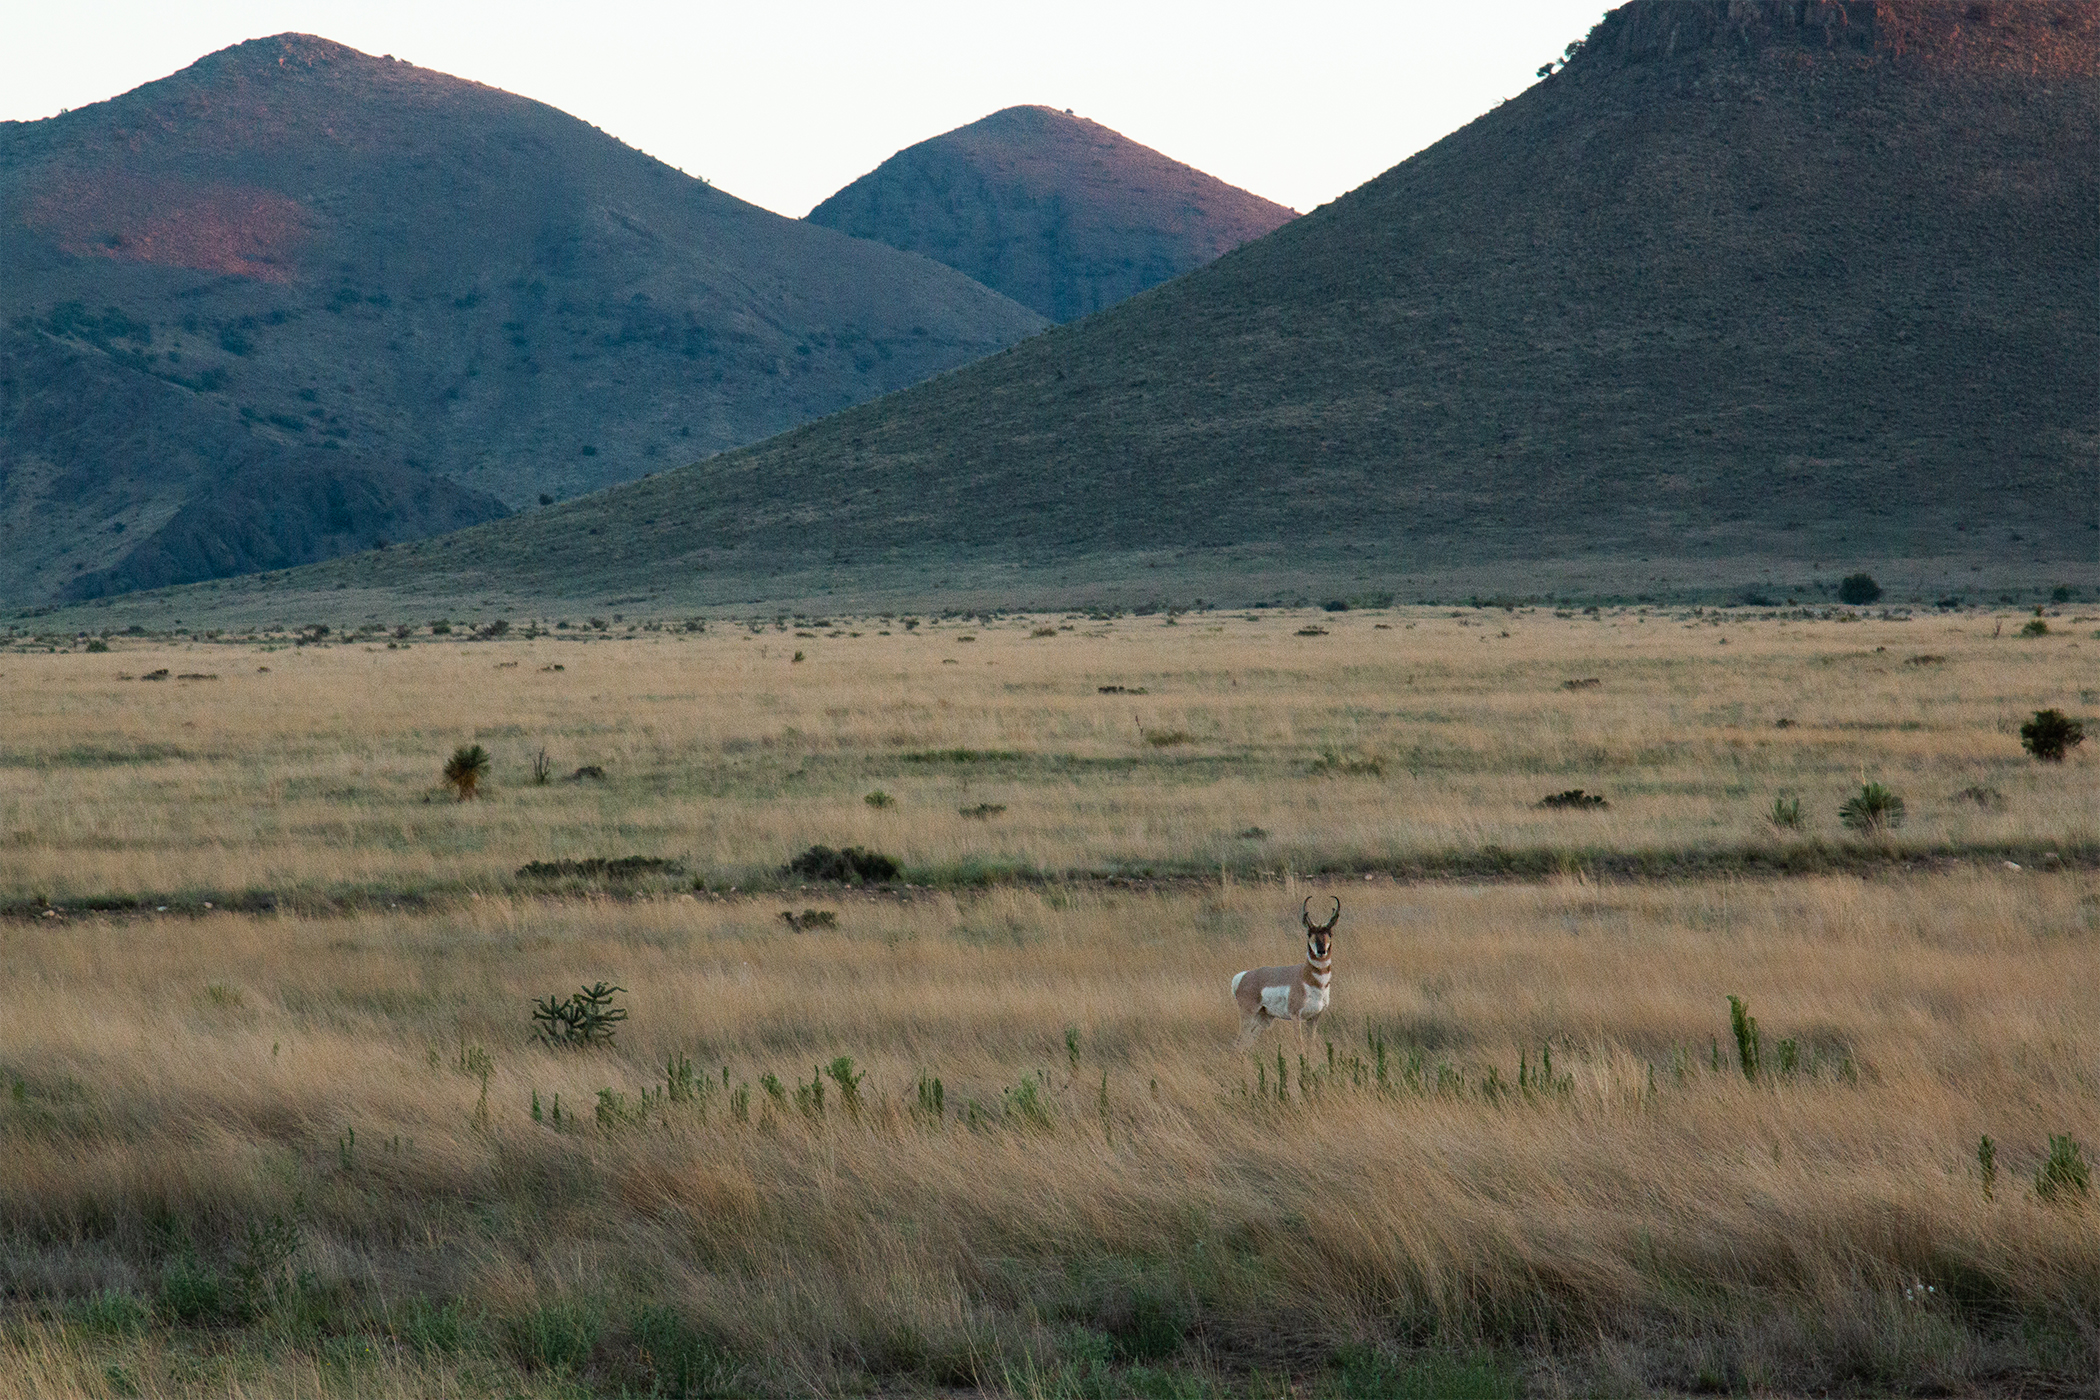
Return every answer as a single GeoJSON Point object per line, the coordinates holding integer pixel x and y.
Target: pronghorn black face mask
{"type": "Point", "coordinates": [1319, 938]}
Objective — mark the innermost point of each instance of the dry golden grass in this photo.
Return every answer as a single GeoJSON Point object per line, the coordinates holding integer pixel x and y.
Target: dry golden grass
{"type": "Point", "coordinates": [319, 776]}
{"type": "Point", "coordinates": [182, 1081]}
{"type": "Point", "coordinates": [251, 1154]}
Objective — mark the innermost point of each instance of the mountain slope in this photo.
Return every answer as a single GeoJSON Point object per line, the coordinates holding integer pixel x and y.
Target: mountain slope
{"type": "Point", "coordinates": [1057, 212]}
{"type": "Point", "coordinates": [1745, 289]}
{"type": "Point", "coordinates": [344, 253]}
{"type": "Point", "coordinates": [114, 478]}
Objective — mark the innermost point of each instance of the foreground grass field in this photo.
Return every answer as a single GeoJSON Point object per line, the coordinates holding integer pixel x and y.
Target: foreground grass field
{"type": "Point", "coordinates": [240, 1150]}
{"type": "Point", "coordinates": [990, 1133]}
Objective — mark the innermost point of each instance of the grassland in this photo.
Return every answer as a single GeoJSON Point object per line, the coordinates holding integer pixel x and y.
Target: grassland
{"type": "Point", "coordinates": [1399, 741]}
{"type": "Point", "coordinates": [314, 1148]}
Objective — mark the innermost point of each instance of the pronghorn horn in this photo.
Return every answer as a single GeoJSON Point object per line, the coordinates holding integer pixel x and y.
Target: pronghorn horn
{"type": "Point", "coordinates": [1305, 911]}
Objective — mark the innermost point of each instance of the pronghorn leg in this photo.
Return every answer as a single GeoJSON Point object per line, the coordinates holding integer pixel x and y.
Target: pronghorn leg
{"type": "Point", "coordinates": [1250, 1027]}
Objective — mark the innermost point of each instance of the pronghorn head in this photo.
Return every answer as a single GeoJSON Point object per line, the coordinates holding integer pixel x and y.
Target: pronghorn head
{"type": "Point", "coordinates": [1319, 937]}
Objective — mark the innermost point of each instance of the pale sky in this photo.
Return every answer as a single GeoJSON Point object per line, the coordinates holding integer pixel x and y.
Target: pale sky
{"type": "Point", "coordinates": [781, 104]}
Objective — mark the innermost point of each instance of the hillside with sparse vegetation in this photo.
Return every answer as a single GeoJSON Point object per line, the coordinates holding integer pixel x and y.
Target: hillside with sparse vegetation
{"type": "Point", "coordinates": [433, 301]}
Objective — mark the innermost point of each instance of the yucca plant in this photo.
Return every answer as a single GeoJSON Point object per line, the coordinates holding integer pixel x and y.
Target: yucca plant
{"type": "Point", "coordinates": [1786, 812]}
{"type": "Point", "coordinates": [1874, 811]}
{"type": "Point", "coordinates": [466, 768]}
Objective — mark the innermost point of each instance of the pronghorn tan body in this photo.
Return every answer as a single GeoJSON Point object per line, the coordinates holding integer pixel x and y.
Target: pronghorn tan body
{"type": "Point", "coordinates": [1299, 993]}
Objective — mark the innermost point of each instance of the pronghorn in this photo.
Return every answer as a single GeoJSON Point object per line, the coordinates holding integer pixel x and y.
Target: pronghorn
{"type": "Point", "coordinates": [1290, 993]}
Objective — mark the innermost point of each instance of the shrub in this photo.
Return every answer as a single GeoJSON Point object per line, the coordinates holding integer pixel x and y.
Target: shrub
{"type": "Point", "coordinates": [2065, 1174]}
{"type": "Point", "coordinates": [879, 798]}
{"type": "Point", "coordinates": [1858, 589]}
{"type": "Point", "coordinates": [109, 1313]}
{"type": "Point", "coordinates": [624, 868]}
{"type": "Point", "coordinates": [2035, 626]}
{"type": "Point", "coordinates": [849, 866]}
{"type": "Point", "coordinates": [1574, 799]}
{"type": "Point", "coordinates": [2050, 735]}
{"type": "Point", "coordinates": [191, 1291]}
{"type": "Point", "coordinates": [98, 645]}
{"type": "Point", "coordinates": [1874, 810]}
{"type": "Point", "coordinates": [542, 769]}
{"type": "Point", "coordinates": [1786, 812]}
{"type": "Point", "coordinates": [466, 768]}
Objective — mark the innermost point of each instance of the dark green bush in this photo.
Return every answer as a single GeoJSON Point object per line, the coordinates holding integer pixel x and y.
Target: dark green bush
{"type": "Point", "coordinates": [1858, 589]}
{"type": "Point", "coordinates": [849, 866]}
{"type": "Point", "coordinates": [2050, 735]}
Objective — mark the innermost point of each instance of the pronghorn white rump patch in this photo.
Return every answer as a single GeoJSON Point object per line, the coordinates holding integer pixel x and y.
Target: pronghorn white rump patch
{"type": "Point", "coordinates": [1237, 978]}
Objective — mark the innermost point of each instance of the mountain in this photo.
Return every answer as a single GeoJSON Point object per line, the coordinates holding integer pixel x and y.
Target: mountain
{"type": "Point", "coordinates": [1057, 212]}
{"type": "Point", "coordinates": [1746, 297]}
{"type": "Point", "coordinates": [297, 259]}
